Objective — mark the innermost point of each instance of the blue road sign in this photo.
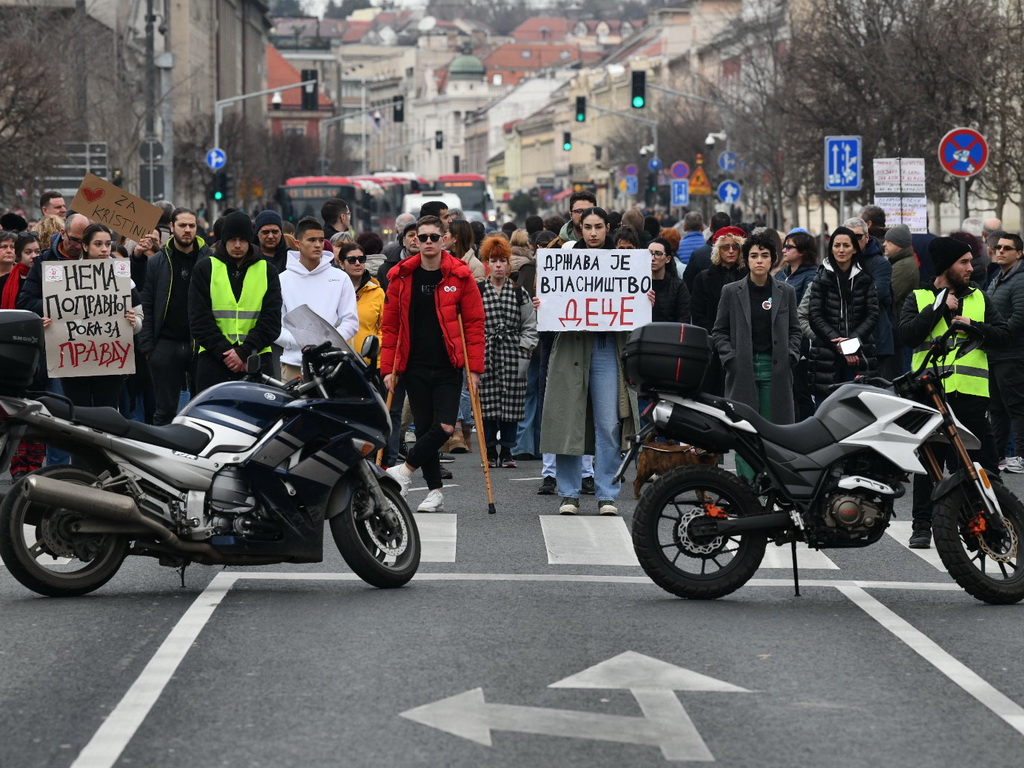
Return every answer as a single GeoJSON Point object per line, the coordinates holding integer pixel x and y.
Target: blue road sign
{"type": "Point", "coordinates": [727, 161]}
{"type": "Point", "coordinates": [654, 164]}
{"type": "Point", "coordinates": [680, 191]}
{"type": "Point", "coordinates": [842, 163]}
{"type": "Point", "coordinates": [729, 191]}
{"type": "Point", "coordinates": [632, 187]}
{"type": "Point", "coordinates": [216, 158]}
{"type": "Point", "coordinates": [632, 170]}
{"type": "Point", "coordinates": [680, 170]}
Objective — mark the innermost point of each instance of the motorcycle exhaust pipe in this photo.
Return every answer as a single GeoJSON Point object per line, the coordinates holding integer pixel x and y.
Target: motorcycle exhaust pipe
{"type": "Point", "coordinates": [82, 498]}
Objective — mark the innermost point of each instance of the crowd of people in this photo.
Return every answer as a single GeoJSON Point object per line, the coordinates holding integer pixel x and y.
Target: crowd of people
{"type": "Point", "coordinates": [455, 309]}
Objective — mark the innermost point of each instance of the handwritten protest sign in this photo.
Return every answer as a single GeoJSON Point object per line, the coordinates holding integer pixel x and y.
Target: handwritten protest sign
{"type": "Point", "coordinates": [88, 333]}
{"type": "Point", "coordinates": [126, 214]}
{"type": "Point", "coordinates": [593, 290]}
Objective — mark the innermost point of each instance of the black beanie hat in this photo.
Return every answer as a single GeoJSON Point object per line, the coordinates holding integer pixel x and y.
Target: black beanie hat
{"type": "Point", "coordinates": [945, 252]}
{"type": "Point", "coordinates": [237, 224]}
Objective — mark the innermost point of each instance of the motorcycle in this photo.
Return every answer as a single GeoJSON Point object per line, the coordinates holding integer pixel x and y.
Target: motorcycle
{"type": "Point", "coordinates": [247, 474]}
{"type": "Point", "coordinates": [829, 481]}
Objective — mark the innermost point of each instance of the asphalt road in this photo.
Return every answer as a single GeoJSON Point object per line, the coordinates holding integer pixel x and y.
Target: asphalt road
{"type": "Point", "coordinates": [527, 640]}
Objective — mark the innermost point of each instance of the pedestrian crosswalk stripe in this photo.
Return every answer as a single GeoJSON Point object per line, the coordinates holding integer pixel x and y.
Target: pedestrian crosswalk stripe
{"type": "Point", "coordinates": [901, 532]}
{"type": "Point", "coordinates": [806, 558]}
{"type": "Point", "coordinates": [438, 535]}
{"type": "Point", "coordinates": [587, 541]}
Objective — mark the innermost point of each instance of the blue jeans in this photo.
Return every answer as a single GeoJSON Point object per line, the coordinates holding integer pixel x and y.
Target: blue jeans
{"type": "Point", "coordinates": [604, 401]}
{"type": "Point", "coordinates": [528, 436]}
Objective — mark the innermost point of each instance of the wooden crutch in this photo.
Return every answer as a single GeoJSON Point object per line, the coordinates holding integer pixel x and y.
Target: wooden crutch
{"type": "Point", "coordinates": [480, 437]}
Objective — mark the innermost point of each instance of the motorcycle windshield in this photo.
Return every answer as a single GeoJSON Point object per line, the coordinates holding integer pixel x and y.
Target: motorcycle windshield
{"type": "Point", "coordinates": [309, 329]}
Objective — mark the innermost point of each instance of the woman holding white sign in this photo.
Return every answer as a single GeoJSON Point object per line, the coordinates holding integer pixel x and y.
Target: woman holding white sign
{"type": "Point", "coordinates": [99, 390]}
{"type": "Point", "coordinates": [587, 406]}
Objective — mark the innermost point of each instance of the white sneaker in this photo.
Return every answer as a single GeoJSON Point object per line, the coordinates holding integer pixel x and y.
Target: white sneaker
{"type": "Point", "coordinates": [401, 475]}
{"type": "Point", "coordinates": [1014, 464]}
{"type": "Point", "coordinates": [433, 503]}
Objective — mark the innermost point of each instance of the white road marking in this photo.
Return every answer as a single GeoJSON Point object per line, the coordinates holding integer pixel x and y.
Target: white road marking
{"type": "Point", "coordinates": [806, 558]}
{"type": "Point", "coordinates": [526, 479]}
{"type": "Point", "coordinates": [106, 746]}
{"type": "Point", "coordinates": [424, 488]}
{"type": "Point", "coordinates": [901, 530]}
{"type": "Point", "coordinates": [572, 540]}
{"type": "Point", "coordinates": [1003, 707]}
{"type": "Point", "coordinates": [438, 535]}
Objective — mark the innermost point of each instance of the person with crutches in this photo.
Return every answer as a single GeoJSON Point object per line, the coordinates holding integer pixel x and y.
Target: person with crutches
{"type": "Point", "coordinates": [422, 342]}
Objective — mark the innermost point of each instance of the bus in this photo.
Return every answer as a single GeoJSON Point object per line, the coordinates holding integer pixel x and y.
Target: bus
{"type": "Point", "coordinates": [474, 191]}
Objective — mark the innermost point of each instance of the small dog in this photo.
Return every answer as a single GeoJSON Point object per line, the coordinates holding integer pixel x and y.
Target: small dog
{"type": "Point", "coordinates": [657, 458]}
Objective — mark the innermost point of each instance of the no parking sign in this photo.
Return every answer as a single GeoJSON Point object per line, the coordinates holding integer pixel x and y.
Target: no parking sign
{"type": "Point", "coordinates": [963, 152]}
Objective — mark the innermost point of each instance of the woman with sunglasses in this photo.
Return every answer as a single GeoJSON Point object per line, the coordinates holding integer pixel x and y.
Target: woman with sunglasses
{"type": "Point", "coordinates": [369, 294]}
{"type": "Point", "coordinates": [587, 407]}
{"type": "Point", "coordinates": [726, 267]}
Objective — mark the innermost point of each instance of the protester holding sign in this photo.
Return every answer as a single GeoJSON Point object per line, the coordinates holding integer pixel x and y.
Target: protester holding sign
{"type": "Point", "coordinates": [587, 406]}
{"type": "Point", "coordinates": [90, 338]}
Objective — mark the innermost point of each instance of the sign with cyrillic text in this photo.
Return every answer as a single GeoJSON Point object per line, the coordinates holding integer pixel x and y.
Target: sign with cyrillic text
{"type": "Point", "coordinates": [593, 290]}
{"type": "Point", "coordinates": [86, 301]}
{"type": "Point", "coordinates": [108, 204]}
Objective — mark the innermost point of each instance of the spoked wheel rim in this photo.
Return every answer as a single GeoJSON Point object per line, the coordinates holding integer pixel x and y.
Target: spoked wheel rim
{"type": "Point", "coordinates": [698, 557]}
{"type": "Point", "coordinates": [994, 554]}
{"type": "Point", "coordinates": [387, 543]}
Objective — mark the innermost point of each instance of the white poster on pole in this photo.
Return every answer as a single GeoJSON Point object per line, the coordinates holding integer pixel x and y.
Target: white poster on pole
{"type": "Point", "coordinates": [899, 176]}
{"type": "Point", "coordinates": [593, 290]}
{"type": "Point", "coordinates": [912, 211]}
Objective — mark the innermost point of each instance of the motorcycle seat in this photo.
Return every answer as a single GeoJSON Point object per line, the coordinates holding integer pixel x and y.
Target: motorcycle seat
{"type": "Point", "coordinates": [177, 437]}
{"type": "Point", "coordinates": [805, 437]}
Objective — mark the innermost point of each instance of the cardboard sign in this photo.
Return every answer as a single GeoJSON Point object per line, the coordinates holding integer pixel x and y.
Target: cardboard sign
{"type": "Point", "coordinates": [86, 301]}
{"type": "Point", "coordinates": [124, 213]}
{"type": "Point", "coordinates": [593, 290]}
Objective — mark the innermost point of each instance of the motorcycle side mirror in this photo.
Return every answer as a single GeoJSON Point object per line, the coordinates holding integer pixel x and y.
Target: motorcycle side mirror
{"type": "Point", "coordinates": [252, 364]}
{"type": "Point", "coordinates": [849, 346]}
{"type": "Point", "coordinates": [371, 348]}
{"type": "Point", "coordinates": [940, 299]}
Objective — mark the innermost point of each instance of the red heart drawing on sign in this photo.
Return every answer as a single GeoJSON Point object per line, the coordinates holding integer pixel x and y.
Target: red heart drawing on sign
{"type": "Point", "coordinates": [92, 195]}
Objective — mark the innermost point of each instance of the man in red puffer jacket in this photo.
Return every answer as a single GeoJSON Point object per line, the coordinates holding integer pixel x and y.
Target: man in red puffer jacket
{"type": "Point", "coordinates": [421, 342]}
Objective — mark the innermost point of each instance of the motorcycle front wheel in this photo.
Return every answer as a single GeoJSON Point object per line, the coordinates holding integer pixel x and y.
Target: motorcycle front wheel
{"type": "Point", "coordinates": [41, 549]}
{"type": "Point", "coordinates": [382, 554]}
{"type": "Point", "coordinates": [697, 567]}
{"type": "Point", "coordinates": [986, 563]}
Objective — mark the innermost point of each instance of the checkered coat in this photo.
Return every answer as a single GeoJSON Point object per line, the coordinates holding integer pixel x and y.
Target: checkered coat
{"type": "Point", "coordinates": [510, 334]}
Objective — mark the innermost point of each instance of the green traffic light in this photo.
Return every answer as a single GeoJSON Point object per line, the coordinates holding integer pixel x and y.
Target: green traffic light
{"type": "Point", "coordinates": [638, 102]}
{"type": "Point", "coordinates": [580, 117]}
{"type": "Point", "coordinates": [567, 146]}
{"type": "Point", "coordinates": [218, 195]}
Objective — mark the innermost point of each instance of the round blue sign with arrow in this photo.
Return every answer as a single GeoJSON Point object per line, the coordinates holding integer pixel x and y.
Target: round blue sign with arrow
{"type": "Point", "coordinates": [216, 158]}
{"type": "Point", "coordinates": [727, 161]}
{"type": "Point", "coordinates": [729, 191]}
{"type": "Point", "coordinates": [654, 164]}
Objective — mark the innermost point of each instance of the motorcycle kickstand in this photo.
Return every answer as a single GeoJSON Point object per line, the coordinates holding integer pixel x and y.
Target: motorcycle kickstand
{"type": "Point", "coordinates": [796, 573]}
{"type": "Point", "coordinates": [181, 573]}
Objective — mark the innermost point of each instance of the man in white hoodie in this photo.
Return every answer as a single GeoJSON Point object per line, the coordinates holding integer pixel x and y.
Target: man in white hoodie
{"type": "Point", "coordinates": [311, 279]}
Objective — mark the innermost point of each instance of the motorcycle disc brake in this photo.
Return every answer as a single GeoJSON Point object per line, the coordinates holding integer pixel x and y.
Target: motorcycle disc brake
{"type": "Point", "coordinates": [1007, 553]}
{"type": "Point", "coordinates": [391, 541]}
{"type": "Point", "coordinates": [686, 542]}
{"type": "Point", "coordinates": [54, 535]}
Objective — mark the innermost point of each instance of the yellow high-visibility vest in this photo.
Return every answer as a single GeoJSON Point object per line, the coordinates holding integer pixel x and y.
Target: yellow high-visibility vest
{"type": "Point", "coordinates": [970, 372]}
{"type": "Point", "coordinates": [236, 317]}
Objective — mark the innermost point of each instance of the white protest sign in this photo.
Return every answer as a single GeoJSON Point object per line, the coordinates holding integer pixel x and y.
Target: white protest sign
{"type": "Point", "coordinates": [86, 301]}
{"type": "Point", "coordinates": [912, 211]}
{"type": "Point", "coordinates": [899, 176]}
{"type": "Point", "coordinates": [593, 290]}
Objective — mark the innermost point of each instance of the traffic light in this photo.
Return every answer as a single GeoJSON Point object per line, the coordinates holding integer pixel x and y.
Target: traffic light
{"type": "Point", "coordinates": [581, 109]}
{"type": "Point", "coordinates": [398, 107]}
{"type": "Point", "coordinates": [439, 140]}
{"type": "Point", "coordinates": [567, 141]}
{"type": "Point", "coordinates": [310, 97]}
{"type": "Point", "coordinates": [229, 184]}
{"type": "Point", "coordinates": [639, 100]}
{"type": "Point", "coordinates": [219, 185]}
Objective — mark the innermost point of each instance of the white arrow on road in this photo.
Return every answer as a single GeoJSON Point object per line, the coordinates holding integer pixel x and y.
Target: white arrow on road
{"type": "Point", "coordinates": [665, 723]}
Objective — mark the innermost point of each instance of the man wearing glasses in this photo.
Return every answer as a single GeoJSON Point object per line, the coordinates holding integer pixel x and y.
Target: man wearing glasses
{"type": "Point", "coordinates": [312, 279]}
{"type": "Point", "coordinates": [67, 246]}
{"type": "Point", "coordinates": [422, 343]}
{"type": "Point", "coordinates": [1006, 366]}
{"type": "Point", "coordinates": [578, 203]}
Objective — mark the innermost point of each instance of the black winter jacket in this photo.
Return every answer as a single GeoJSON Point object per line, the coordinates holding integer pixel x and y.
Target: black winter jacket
{"type": "Point", "coordinates": [707, 293]}
{"type": "Point", "coordinates": [156, 292]}
{"type": "Point", "coordinates": [30, 295]}
{"type": "Point", "coordinates": [837, 313]}
{"type": "Point", "coordinates": [671, 300]}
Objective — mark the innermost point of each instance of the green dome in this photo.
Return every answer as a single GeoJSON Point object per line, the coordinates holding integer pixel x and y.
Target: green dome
{"type": "Point", "coordinates": [467, 67]}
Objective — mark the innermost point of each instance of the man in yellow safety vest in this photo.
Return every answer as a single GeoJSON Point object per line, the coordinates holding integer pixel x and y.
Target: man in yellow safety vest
{"type": "Point", "coordinates": [234, 305]}
{"type": "Point", "coordinates": [967, 387]}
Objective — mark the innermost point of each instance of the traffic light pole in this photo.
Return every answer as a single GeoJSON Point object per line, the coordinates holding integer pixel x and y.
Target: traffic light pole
{"type": "Point", "coordinates": [218, 112]}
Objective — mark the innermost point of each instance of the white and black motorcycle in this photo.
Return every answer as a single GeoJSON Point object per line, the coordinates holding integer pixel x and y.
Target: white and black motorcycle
{"type": "Point", "coordinates": [246, 475]}
{"type": "Point", "coordinates": [830, 481]}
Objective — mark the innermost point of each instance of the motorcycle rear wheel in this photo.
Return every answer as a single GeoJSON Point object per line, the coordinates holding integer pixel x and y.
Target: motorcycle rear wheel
{"type": "Point", "coordinates": [987, 568]}
{"type": "Point", "coordinates": [698, 568]}
{"type": "Point", "coordinates": [42, 552]}
{"type": "Point", "coordinates": [381, 556]}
